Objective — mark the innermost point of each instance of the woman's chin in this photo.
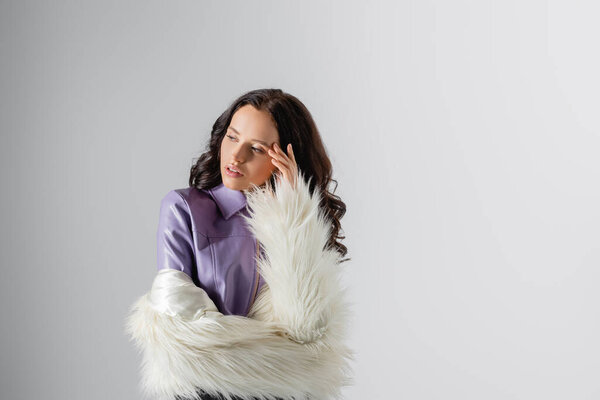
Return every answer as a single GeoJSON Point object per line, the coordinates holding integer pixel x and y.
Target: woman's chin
{"type": "Point", "coordinates": [234, 183]}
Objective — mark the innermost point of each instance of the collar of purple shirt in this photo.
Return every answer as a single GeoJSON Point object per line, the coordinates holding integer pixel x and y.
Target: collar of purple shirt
{"type": "Point", "coordinates": [228, 200]}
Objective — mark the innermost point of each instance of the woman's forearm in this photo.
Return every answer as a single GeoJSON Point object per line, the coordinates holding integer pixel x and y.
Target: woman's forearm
{"type": "Point", "coordinates": [187, 345]}
{"type": "Point", "coordinates": [302, 276]}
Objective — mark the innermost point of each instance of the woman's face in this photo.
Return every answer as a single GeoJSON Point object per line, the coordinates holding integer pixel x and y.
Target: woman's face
{"type": "Point", "coordinates": [244, 147]}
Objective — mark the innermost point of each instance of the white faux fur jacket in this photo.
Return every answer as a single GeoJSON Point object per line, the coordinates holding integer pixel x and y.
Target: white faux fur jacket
{"type": "Point", "coordinates": [290, 346]}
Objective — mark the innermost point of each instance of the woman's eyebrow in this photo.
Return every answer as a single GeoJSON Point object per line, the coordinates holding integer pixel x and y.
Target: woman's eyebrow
{"type": "Point", "coordinates": [254, 140]}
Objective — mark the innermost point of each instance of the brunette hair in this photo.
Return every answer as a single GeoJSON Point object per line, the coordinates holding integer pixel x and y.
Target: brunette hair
{"type": "Point", "coordinates": [295, 125]}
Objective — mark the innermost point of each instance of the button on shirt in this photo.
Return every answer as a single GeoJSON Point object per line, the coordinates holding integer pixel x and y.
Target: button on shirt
{"type": "Point", "coordinates": [202, 233]}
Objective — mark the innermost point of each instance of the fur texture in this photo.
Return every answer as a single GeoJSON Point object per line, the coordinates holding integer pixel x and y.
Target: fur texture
{"type": "Point", "coordinates": [290, 346]}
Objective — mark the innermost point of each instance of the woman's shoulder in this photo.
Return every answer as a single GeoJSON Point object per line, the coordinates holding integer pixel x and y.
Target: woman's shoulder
{"type": "Point", "coordinates": [188, 194]}
{"type": "Point", "coordinates": [197, 203]}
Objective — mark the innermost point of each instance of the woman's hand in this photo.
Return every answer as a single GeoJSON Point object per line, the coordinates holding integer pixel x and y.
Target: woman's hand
{"type": "Point", "coordinates": [287, 165]}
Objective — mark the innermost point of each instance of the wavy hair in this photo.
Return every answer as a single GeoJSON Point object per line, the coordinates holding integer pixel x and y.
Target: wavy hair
{"type": "Point", "coordinates": [295, 125]}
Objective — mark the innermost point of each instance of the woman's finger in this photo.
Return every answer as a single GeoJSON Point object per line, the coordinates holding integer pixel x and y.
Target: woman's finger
{"type": "Point", "coordinates": [278, 154]}
{"type": "Point", "coordinates": [280, 151]}
{"type": "Point", "coordinates": [292, 157]}
{"type": "Point", "coordinates": [282, 167]}
{"type": "Point", "coordinates": [286, 164]}
{"type": "Point", "coordinates": [286, 171]}
{"type": "Point", "coordinates": [291, 153]}
{"type": "Point", "coordinates": [283, 175]}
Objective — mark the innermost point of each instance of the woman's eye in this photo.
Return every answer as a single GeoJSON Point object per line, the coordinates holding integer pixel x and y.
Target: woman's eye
{"type": "Point", "coordinates": [257, 149]}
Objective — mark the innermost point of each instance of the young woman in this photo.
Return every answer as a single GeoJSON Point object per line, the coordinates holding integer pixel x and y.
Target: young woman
{"type": "Point", "coordinates": [247, 302]}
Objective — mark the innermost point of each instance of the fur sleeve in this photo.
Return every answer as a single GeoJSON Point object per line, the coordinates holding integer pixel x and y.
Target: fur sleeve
{"type": "Point", "coordinates": [292, 347]}
{"type": "Point", "coordinates": [301, 275]}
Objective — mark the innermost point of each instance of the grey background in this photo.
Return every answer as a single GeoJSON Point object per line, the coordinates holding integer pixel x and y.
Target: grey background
{"type": "Point", "coordinates": [464, 136]}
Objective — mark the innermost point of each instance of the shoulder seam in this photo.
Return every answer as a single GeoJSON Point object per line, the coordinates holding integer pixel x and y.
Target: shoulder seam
{"type": "Point", "coordinates": [189, 210]}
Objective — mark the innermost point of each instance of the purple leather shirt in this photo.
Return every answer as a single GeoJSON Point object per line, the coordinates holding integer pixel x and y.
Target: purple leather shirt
{"type": "Point", "coordinates": [202, 233]}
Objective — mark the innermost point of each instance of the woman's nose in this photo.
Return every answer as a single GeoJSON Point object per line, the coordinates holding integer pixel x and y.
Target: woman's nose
{"type": "Point", "coordinates": [237, 153]}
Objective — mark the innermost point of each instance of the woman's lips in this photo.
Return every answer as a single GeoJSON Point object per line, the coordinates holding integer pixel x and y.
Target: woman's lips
{"type": "Point", "coordinates": [232, 173]}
